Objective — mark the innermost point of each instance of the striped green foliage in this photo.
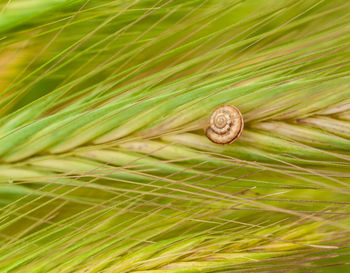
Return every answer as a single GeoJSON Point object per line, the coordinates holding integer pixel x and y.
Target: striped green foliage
{"type": "Point", "coordinates": [104, 164]}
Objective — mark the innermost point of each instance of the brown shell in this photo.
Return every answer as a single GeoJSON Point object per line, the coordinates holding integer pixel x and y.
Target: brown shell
{"type": "Point", "coordinates": [225, 125]}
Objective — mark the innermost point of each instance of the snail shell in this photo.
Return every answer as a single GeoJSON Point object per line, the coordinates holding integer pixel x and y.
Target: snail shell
{"type": "Point", "coordinates": [226, 125]}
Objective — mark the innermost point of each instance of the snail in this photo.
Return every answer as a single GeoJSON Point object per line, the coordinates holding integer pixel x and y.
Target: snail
{"type": "Point", "coordinates": [225, 125]}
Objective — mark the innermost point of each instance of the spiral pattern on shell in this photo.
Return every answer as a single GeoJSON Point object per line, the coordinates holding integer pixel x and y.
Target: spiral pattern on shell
{"type": "Point", "coordinates": [226, 125]}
